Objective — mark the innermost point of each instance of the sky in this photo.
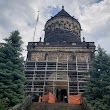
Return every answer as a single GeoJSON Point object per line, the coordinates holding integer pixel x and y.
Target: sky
{"type": "Point", "coordinates": [93, 15]}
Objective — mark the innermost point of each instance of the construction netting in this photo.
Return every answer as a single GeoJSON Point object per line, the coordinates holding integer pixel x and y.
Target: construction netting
{"type": "Point", "coordinates": [75, 99]}
{"type": "Point", "coordinates": [50, 98]}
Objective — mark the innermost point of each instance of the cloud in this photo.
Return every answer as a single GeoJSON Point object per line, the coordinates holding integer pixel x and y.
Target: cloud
{"type": "Point", "coordinates": [89, 2]}
{"type": "Point", "coordinates": [21, 15]}
{"type": "Point", "coordinates": [95, 22]}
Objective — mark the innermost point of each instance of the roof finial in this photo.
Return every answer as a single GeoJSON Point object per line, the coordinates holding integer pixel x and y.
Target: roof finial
{"type": "Point", "coordinates": [40, 39]}
{"type": "Point", "coordinates": [83, 39]}
{"type": "Point", "coordinates": [62, 7]}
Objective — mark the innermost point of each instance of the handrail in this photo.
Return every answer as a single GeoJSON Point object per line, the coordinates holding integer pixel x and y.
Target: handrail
{"type": "Point", "coordinates": [24, 105]}
{"type": "Point", "coordinates": [86, 105]}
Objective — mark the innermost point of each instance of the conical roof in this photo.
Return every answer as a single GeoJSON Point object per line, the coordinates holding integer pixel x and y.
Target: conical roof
{"type": "Point", "coordinates": [62, 13]}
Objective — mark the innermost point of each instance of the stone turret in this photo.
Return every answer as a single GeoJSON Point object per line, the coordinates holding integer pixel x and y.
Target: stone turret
{"type": "Point", "coordinates": [62, 28]}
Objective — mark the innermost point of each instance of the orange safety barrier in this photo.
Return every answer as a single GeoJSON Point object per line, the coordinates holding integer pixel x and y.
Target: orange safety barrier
{"type": "Point", "coordinates": [45, 98]}
{"type": "Point", "coordinates": [51, 98]}
{"type": "Point", "coordinates": [74, 99]}
{"type": "Point", "coordinates": [39, 100]}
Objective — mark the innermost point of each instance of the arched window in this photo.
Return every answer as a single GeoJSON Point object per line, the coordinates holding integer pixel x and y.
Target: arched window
{"type": "Point", "coordinates": [62, 25]}
{"type": "Point", "coordinates": [73, 26]}
{"type": "Point", "coordinates": [67, 22]}
{"type": "Point", "coordinates": [57, 25]}
{"type": "Point", "coordinates": [49, 27]}
{"type": "Point", "coordinates": [52, 26]}
{"type": "Point", "coordinates": [69, 26]}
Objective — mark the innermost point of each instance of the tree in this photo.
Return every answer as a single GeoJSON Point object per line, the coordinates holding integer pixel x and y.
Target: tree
{"type": "Point", "coordinates": [98, 89]}
{"type": "Point", "coordinates": [3, 105]}
{"type": "Point", "coordinates": [11, 70]}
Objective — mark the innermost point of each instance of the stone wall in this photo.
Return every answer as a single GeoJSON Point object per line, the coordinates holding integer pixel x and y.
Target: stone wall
{"type": "Point", "coordinates": [83, 56]}
{"type": "Point", "coordinates": [63, 23]}
{"type": "Point", "coordinates": [51, 56]}
{"type": "Point", "coordinates": [60, 56]}
{"type": "Point", "coordinates": [62, 29]}
{"type": "Point", "coordinates": [38, 55]}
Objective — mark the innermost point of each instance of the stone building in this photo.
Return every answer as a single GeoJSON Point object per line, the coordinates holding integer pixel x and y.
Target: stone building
{"type": "Point", "coordinates": [61, 63]}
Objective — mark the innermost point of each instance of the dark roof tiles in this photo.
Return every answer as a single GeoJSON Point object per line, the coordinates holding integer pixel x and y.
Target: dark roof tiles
{"type": "Point", "coordinates": [62, 13]}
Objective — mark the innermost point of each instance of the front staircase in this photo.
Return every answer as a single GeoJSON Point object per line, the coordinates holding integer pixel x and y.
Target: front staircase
{"type": "Point", "coordinates": [54, 106]}
{"type": "Point", "coordinates": [27, 104]}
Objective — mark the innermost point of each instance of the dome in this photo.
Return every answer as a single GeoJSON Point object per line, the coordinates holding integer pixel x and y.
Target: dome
{"type": "Point", "coordinates": [62, 28]}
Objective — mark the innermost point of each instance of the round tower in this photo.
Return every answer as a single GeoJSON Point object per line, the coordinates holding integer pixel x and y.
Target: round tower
{"type": "Point", "coordinates": [62, 28]}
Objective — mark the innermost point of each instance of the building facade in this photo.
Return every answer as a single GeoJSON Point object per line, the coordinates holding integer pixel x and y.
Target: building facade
{"type": "Point", "coordinates": [61, 63]}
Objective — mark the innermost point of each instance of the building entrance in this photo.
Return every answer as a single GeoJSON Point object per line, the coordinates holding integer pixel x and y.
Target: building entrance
{"type": "Point", "coordinates": [61, 95]}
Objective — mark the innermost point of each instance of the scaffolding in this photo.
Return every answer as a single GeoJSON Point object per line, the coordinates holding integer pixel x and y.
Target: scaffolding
{"type": "Point", "coordinates": [47, 76]}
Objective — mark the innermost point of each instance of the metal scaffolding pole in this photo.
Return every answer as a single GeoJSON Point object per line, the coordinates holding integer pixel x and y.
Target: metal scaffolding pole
{"type": "Point", "coordinates": [56, 67]}
{"type": "Point", "coordinates": [77, 75]}
{"type": "Point", "coordinates": [39, 75]}
{"type": "Point", "coordinates": [32, 88]}
{"type": "Point", "coordinates": [44, 87]}
{"type": "Point", "coordinates": [68, 76]}
{"type": "Point", "coordinates": [54, 85]}
{"type": "Point", "coordinates": [87, 62]}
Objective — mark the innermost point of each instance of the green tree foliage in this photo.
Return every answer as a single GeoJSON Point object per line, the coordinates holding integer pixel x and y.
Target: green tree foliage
{"type": "Point", "coordinates": [11, 70]}
{"type": "Point", "coordinates": [98, 90]}
{"type": "Point", "coordinates": [3, 105]}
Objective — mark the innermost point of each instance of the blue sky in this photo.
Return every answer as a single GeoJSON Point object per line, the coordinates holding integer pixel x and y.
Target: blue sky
{"type": "Point", "coordinates": [54, 10]}
{"type": "Point", "coordinates": [94, 16]}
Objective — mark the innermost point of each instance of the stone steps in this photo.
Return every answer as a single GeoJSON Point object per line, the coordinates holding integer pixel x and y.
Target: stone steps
{"type": "Point", "coordinates": [54, 106]}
